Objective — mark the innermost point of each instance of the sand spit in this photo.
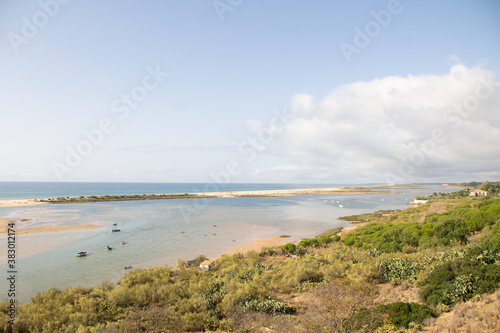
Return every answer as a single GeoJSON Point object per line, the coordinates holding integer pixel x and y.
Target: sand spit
{"type": "Point", "coordinates": [228, 194]}
{"type": "Point", "coordinates": [20, 203]}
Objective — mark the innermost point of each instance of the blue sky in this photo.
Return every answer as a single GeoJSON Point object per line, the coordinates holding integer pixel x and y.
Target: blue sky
{"type": "Point", "coordinates": [379, 114]}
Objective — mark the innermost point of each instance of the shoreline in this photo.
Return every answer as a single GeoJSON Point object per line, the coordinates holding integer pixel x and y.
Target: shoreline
{"type": "Point", "coordinates": [200, 195]}
{"type": "Point", "coordinates": [258, 245]}
{"type": "Point", "coordinates": [20, 203]}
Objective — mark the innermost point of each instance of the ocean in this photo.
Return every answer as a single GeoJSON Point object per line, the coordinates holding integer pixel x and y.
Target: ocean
{"type": "Point", "coordinates": [159, 232]}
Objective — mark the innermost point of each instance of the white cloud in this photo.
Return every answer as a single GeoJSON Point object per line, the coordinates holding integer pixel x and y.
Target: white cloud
{"type": "Point", "coordinates": [440, 126]}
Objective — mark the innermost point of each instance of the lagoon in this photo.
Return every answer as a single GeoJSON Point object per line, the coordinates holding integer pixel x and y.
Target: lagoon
{"type": "Point", "coordinates": [159, 232]}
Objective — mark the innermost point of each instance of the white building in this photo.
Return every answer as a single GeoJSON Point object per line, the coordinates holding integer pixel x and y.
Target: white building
{"type": "Point", "coordinates": [478, 193]}
{"type": "Point", "coordinates": [205, 265]}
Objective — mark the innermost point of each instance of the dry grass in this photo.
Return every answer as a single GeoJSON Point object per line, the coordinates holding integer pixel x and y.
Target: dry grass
{"type": "Point", "coordinates": [387, 293]}
{"type": "Point", "coordinates": [481, 314]}
{"type": "Point", "coordinates": [439, 207]}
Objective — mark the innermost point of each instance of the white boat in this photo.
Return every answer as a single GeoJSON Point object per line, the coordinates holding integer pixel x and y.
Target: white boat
{"type": "Point", "coordinates": [81, 254]}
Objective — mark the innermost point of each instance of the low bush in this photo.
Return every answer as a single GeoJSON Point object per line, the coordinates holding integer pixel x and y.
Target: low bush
{"type": "Point", "coordinates": [269, 306]}
{"type": "Point", "coordinates": [459, 280]}
{"type": "Point", "coordinates": [289, 248]}
{"type": "Point", "coordinates": [402, 314]}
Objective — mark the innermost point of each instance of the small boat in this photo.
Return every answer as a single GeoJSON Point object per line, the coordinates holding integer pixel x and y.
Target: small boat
{"type": "Point", "coordinates": [123, 242]}
{"type": "Point", "coordinates": [109, 247]}
{"type": "Point", "coordinates": [128, 267]}
{"type": "Point", "coordinates": [115, 223]}
{"type": "Point", "coordinates": [116, 230]}
{"type": "Point", "coordinates": [81, 254]}
{"type": "Point", "coordinates": [341, 206]}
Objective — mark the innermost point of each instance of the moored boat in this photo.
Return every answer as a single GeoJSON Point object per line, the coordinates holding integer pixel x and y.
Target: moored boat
{"type": "Point", "coordinates": [116, 230]}
{"type": "Point", "coordinates": [81, 254]}
{"type": "Point", "coordinates": [109, 247]}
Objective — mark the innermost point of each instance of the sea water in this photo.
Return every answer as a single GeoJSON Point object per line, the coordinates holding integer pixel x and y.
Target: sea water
{"type": "Point", "coordinates": [159, 232]}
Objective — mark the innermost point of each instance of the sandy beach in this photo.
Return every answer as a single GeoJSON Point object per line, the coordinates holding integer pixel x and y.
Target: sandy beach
{"type": "Point", "coordinates": [20, 203]}
{"type": "Point", "coordinates": [282, 193]}
{"type": "Point", "coordinates": [260, 244]}
{"type": "Point", "coordinates": [350, 228]}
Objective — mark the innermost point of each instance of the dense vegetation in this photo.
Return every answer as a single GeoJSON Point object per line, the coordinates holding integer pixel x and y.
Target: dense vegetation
{"type": "Point", "coordinates": [492, 187]}
{"type": "Point", "coordinates": [126, 197]}
{"type": "Point", "coordinates": [447, 250]}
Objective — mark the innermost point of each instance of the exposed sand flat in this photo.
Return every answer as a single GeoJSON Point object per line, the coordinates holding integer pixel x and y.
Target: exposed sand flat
{"type": "Point", "coordinates": [45, 228]}
{"type": "Point", "coordinates": [281, 193]}
{"type": "Point", "coordinates": [3, 226]}
{"type": "Point", "coordinates": [20, 203]}
{"type": "Point", "coordinates": [55, 228]}
{"type": "Point", "coordinates": [259, 244]}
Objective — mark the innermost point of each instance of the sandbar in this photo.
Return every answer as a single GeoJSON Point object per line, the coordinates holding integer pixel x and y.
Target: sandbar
{"type": "Point", "coordinates": [227, 194]}
{"type": "Point", "coordinates": [20, 203]}
{"type": "Point", "coordinates": [44, 229]}
{"type": "Point", "coordinates": [289, 192]}
{"type": "Point", "coordinates": [222, 194]}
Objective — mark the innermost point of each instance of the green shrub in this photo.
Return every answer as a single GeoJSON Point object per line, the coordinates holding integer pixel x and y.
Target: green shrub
{"type": "Point", "coordinates": [349, 240]}
{"type": "Point", "coordinates": [449, 229]}
{"type": "Point", "coordinates": [402, 314]}
{"type": "Point", "coordinates": [459, 280]}
{"type": "Point", "coordinates": [289, 248]}
{"type": "Point", "coordinates": [398, 269]}
{"type": "Point", "coordinates": [324, 240]}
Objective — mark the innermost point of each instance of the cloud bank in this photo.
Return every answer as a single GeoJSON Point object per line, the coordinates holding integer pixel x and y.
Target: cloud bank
{"type": "Point", "coordinates": [397, 130]}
